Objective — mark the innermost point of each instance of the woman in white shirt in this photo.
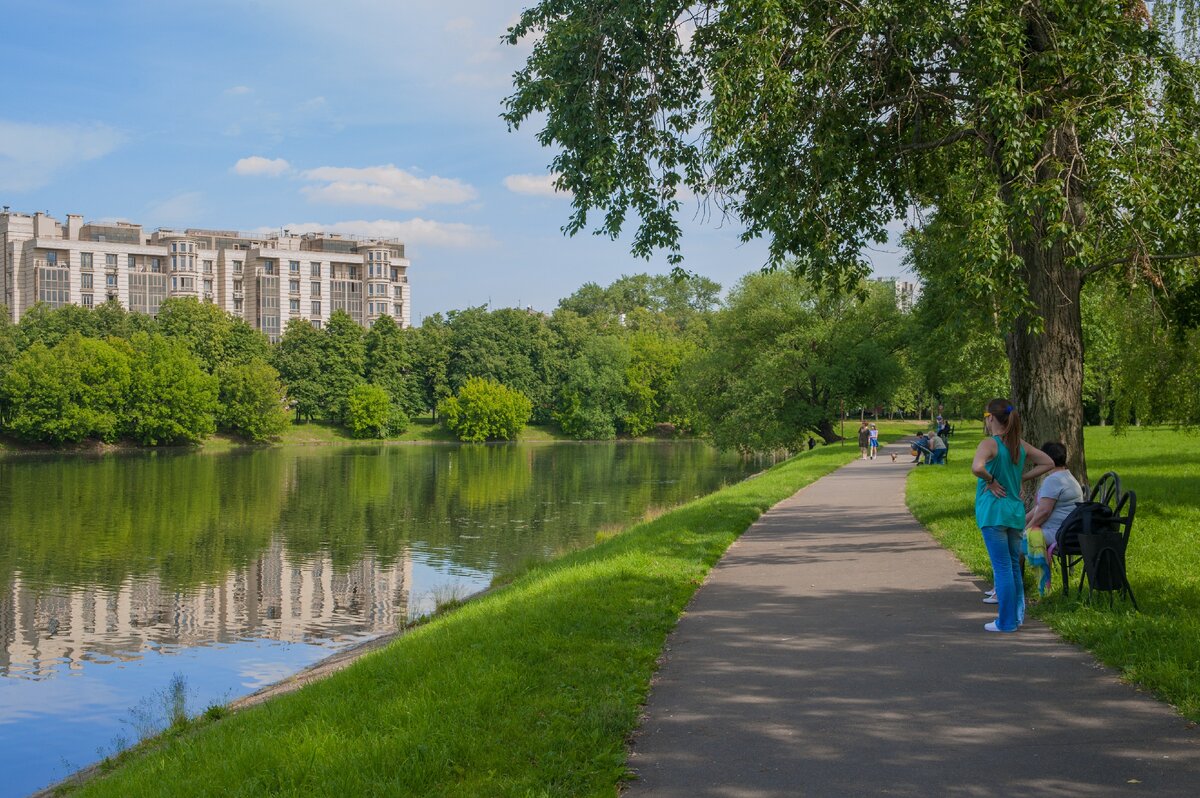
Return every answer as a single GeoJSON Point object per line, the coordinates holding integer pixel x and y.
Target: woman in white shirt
{"type": "Point", "coordinates": [1056, 498]}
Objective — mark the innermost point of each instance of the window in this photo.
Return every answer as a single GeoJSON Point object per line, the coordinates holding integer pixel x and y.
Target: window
{"type": "Point", "coordinates": [146, 292]}
{"type": "Point", "coordinates": [353, 272]}
{"type": "Point", "coordinates": [294, 305]}
{"type": "Point", "coordinates": [174, 263]}
{"type": "Point", "coordinates": [314, 269]}
{"type": "Point", "coordinates": [316, 323]}
{"type": "Point", "coordinates": [237, 267]}
{"type": "Point", "coordinates": [110, 281]}
{"type": "Point", "coordinates": [85, 260]}
{"type": "Point", "coordinates": [85, 281]}
{"type": "Point", "coordinates": [174, 247]}
{"type": "Point", "coordinates": [268, 267]}
{"type": "Point", "coordinates": [86, 300]}
{"type": "Point", "coordinates": [294, 266]}
{"type": "Point", "coordinates": [237, 305]}
{"type": "Point", "coordinates": [208, 286]}
{"type": "Point", "coordinates": [293, 286]}
{"type": "Point", "coordinates": [53, 286]}
{"type": "Point", "coordinates": [397, 310]}
{"type": "Point", "coordinates": [187, 283]}
{"type": "Point", "coordinates": [316, 308]}
{"type": "Point", "coordinates": [110, 261]}
{"type": "Point", "coordinates": [208, 267]}
{"type": "Point", "coordinates": [155, 265]}
{"type": "Point", "coordinates": [314, 289]}
{"type": "Point", "coordinates": [398, 291]}
{"type": "Point", "coordinates": [237, 286]}
{"type": "Point", "coordinates": [131, 261]}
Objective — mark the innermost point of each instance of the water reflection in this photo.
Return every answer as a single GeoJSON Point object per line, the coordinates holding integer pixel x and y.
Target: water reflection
{"type": "Point", "coordinates": [273, 598]}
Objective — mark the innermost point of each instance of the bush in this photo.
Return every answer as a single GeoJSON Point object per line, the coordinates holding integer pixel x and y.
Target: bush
{"type": "Point", "coordinates": [251, 401]}
{"type": "Point", "coordinates": [485, 410]}
{"type": "Point", "coordinates": [171, 398]}
{"type": "Point", "coordinates": [368, 411]}
{"type": "Point", "coordinates": [70, 393]}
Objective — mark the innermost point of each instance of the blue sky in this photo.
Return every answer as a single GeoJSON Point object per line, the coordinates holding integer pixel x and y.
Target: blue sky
{"type": "Point", "coordinates": [356, 116]}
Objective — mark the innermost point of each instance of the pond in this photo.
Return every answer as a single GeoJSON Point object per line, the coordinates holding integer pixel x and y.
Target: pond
{"type": "Point", "coordinates": [130, 581]}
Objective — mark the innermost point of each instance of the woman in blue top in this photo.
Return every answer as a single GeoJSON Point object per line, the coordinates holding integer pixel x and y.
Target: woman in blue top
{"type": "Point", "coordinates": [1000, 464]}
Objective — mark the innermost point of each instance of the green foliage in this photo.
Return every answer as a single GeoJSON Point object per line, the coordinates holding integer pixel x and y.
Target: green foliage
{"type": "Point", "coordinates": [342, 360]}
{"type": "Point", "coordinates": [783, 357]}
{"type": "Point", "coordinates": [509, 346]}
{"type": "Point", "coordinates": [485, 410]}
{"type": "Point", "coordinates": [298, 360]}
{"type": "Point", "coordinates": [171, 398]}
{"type": "Point", "coordinates": [215, 337]}
{"type": "Point", "coordinates": [251, 401]}
{"type": "Point", "coordinates": [369, 411]}
{"type": "Point", "coordinates": [74, 391]}
{"type": "Point", "coordinates": [431, 352]}
{"type": "Point", "coordinates": [390, 364]}
{"type": "Point", "coordinates": [592, 393]}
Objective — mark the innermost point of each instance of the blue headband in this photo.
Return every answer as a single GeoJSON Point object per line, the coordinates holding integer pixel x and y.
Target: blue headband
{"type": "Point", "coordinates": [1008, 409]}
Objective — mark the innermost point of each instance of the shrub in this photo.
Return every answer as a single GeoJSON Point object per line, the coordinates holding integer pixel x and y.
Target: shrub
{"type": "Point", "coordinates": [171, 398]}
{"type": "Point", "coordinates": [368, 411]}
{"type": "Point", "coordinates": [485, 410]}
{"type": "Point", "coordinates": [251, 401]}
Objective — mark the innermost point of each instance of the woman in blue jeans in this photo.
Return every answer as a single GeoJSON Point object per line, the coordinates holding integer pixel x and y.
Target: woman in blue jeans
{"type": "Point", "coordinates": [1000, 464]}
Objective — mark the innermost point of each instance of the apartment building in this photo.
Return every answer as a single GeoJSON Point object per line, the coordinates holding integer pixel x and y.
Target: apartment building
{"type": "Point", "coordinates": [266, 280]}
{"type": "Point", "coordinates": [907, 291]}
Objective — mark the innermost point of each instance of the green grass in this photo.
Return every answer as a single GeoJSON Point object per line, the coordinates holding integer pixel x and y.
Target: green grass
{"type": "Point", "coordinates": [1158, 648]}
{"type": "Point", "coordinates": [531, 690]}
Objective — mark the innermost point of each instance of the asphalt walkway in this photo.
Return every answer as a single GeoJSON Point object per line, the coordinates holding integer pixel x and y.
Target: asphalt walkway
{"type": "Point", "coordinates": [837, 650]}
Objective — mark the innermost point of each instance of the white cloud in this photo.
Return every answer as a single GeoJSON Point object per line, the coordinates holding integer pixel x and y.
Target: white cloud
{"type": "Point", "coordinates": [32, 155]}
{"type": "Point", "coordinates": [258, 165]}
{"type": "Point", "coordinates": [417, 231]}
{"type": "Point", "coordinates": [537, 185]}
{"type": "Point", "coordinates": [312, 104]}
{"type": "Point", "coordinates": [235, 90]}
{"type": "Point", "coordinates": [386, 186]}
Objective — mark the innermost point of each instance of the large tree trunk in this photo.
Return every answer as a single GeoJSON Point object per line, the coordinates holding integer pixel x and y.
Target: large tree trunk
{"type": "Point", "coordinates": [1046, 368]}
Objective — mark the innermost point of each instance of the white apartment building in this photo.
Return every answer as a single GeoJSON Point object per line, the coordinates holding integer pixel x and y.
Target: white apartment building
{"type": "Point", "coordinates": [266, 280]}
{"type": "Point", "coordinates": [907, 291]}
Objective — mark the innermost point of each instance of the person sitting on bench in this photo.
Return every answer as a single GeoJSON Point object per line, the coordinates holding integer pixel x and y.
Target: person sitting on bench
{"type": "Point", "coordinates": [1056, 498]}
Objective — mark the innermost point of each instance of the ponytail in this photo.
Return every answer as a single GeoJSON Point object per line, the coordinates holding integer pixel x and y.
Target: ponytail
{"type": "Point", "coordinates": [1007, 415]}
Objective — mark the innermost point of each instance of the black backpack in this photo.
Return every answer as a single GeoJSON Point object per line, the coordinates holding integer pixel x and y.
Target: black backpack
{"type": "Point", "coordinates": [1087, 518]}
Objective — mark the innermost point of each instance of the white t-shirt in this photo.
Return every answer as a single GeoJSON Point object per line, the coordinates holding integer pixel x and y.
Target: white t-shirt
{"type": "Point", "coordinates": [1064, 489]}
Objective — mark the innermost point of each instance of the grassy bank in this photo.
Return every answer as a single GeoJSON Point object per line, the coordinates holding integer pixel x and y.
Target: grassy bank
{"type": "Point", "coordinates": [530, 690]}
{"type": "Point", "coordinates": [1158, 647]}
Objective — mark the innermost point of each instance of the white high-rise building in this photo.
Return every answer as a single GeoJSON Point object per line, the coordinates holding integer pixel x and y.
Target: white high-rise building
{"type": "Point", "coordinates": [907, 292]}
{"type": "Point", "coordinates": [266, 280]}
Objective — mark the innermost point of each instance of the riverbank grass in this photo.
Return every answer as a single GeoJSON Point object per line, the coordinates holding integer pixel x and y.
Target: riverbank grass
{"type": "Point", "coordinates": [1158, 647]}
{"type": "Point", "coordinates": [532, 689]}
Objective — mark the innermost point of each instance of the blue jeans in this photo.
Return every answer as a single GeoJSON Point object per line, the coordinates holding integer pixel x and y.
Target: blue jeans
{"type": "Point", "coordinates": [1004, 549]}
{"type": "Point", "coordinates": [937, 457]}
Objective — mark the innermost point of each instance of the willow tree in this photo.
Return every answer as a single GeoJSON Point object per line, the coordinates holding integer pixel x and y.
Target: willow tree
{"type": "Point", "coordinates": [1062, 135]}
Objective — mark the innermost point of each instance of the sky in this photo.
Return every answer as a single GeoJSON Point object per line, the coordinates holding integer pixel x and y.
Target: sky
{"type": "Point", "coordinates": [370, 117]}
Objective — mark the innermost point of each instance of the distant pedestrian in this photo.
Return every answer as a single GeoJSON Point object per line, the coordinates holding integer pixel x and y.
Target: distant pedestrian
{"type": "Point", "coordinates": [812, 443]}
{"type": "Point", "coordinates": [999, 465]}
{"type": "Point", "coordinates": [873, 439]}
{"type": "Point", "coordinates": [864, 439]}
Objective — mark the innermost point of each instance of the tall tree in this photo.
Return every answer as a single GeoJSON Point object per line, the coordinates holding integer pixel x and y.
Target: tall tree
{"type": "Point", "coordinates": [298, 361]}
{"type": "Point", "coordinates": [1061, 133]}
{"type": "Point", "coordinates": [343, 358]}
{"type": "Point", "coordinates": [389, 364]}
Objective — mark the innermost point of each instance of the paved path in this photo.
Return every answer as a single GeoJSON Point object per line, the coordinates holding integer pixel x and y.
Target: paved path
{"type": "Point", "coordinates": [837, 650]}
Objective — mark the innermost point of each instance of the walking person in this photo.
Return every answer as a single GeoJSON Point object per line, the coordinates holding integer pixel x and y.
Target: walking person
{"type": "Point", "coordinates": [864, 439]}
{"type": "Point", "coordinates": [999, 465]}
{"type": "Point", "coordinates": [873, 439]}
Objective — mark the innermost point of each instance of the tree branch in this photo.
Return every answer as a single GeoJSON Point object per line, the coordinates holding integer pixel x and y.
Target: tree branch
{"type": "Point", "coordinates": [1090, 270]}
{"type": "Point", "coordinates": [946, 140]}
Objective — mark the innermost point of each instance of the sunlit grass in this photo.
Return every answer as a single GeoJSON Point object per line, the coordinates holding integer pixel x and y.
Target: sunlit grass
{"type": "Point", "coordinates": [531, 690]}
{"type": "Point", "coordinates": [1158, 647]}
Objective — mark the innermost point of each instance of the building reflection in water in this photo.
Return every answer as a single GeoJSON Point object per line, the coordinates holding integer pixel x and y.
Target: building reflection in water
{"type": "Point", "coordinates": [273, 598]}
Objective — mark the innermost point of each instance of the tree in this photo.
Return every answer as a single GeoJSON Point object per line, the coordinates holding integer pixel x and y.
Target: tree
{"type": "Point", "coordinates": [1060, 135]}
{"type": "Point", "coordinates": [251, 401]}
{"type": "Point", "coordinates": [70, 393]}
{"type": "Point", "coordinates": [390, 364]}
{"type": "Point", "coordinates": [298, 360]}
{"type": "Point", "coordinates": [509, 346]}
{"type": "Point", "coordinates": [171, 398]}
{"type": "Point", "coordinates": [485, 410]}
{"type": "Point", "coordinates": [431, 350]}
{"type": "Point", "coordinates": [342, 360]}
{"type": "Point", "coordinates": [592, 394]}
{"type": "Point", "coordinates": [369, 411]}
{"type": "Point", "coordinates": [783, 357]}
{"type": "Point", "coordinates": [202, 327]}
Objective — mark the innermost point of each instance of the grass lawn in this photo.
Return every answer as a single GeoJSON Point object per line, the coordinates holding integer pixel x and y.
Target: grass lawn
{"type": "Point", "coordinates": [1159, 647]}
{"type": "Point", "coordinates": [531, 690]}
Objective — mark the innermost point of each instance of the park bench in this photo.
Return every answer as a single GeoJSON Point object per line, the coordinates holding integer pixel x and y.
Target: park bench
{"type": "Point", "coordinates": [1096, 537]}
